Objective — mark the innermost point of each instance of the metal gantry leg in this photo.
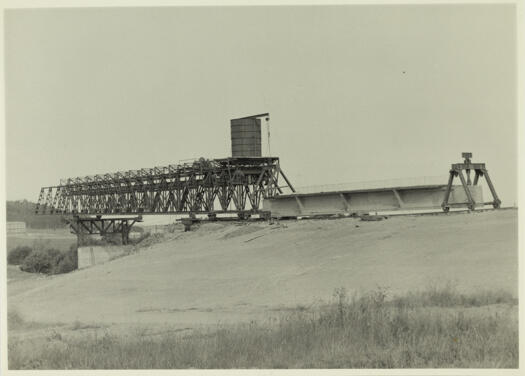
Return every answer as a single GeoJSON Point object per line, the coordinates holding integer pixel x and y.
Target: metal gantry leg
{"type": "Point", "coordinates": [496, 203]}
{"type": "Point", "coordinates": [444, 205]}
{"type": "Point", "coordinates": [471, 204]}
{"type": "Point", "coordinates": [476, 178]}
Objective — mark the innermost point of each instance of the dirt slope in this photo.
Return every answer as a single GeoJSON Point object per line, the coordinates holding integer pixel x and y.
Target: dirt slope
{"type": "Point", "coordinates": [226, 272]}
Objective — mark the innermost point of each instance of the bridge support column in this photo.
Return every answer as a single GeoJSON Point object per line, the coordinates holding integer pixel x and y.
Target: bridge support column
{"type": "Point", "coordinates": [83, 226]}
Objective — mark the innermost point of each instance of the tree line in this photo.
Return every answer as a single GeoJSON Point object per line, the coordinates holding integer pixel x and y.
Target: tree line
{"type": "Point", "coordinates": [24, 211]}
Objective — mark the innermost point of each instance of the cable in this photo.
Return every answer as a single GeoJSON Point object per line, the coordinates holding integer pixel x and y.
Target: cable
{"type": "Point", "coordinates": [268, 130]}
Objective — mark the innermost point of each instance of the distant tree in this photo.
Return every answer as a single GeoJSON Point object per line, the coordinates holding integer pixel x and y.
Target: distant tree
{"type": "Point", "coordinates": [24, 211]}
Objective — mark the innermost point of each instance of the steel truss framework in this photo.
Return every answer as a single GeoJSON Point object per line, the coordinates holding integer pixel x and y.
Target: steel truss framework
{"type": "Point", "coordinates": [229, 185]}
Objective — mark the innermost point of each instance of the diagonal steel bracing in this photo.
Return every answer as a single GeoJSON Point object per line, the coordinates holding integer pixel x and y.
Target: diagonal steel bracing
{"type": "Point", "coordinates": [229, 185]}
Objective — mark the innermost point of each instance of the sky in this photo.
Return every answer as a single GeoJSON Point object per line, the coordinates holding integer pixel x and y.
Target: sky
{"type": "Point", "coordinates": [355, 93]}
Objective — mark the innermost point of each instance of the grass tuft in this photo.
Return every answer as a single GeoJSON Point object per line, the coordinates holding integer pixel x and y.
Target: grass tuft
{"type": "Point", "coordinates": [449, 296]}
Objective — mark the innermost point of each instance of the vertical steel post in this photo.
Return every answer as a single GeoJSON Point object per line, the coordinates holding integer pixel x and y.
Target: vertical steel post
{"type": "Point", "coordinates": [444, 205]}
{"type": "Point", "coordinates": [471, 204]}
{"type": "Point", "coordinates": [476, 177]}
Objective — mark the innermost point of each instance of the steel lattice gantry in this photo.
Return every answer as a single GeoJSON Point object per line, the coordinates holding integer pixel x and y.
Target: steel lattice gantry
{"type": "Point", "coordinates": [229, 185]}
{"type": "Point", "coordinates": [480, 171]}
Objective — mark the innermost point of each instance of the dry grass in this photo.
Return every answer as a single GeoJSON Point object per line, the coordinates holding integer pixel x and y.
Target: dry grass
{"type": "Point", "coordinates": [433, 328]}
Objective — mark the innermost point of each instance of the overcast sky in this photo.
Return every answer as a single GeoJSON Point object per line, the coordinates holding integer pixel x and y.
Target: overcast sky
{"type": "Point", "coordinates": [355, 93]}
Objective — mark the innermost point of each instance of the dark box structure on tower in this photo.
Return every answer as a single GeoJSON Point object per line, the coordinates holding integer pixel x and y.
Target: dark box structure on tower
{"type": "Point", "coordinates": [246, 137]}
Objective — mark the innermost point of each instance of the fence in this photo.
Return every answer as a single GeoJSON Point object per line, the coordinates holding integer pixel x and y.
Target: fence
{"type": "Point", "coordinates": [16, 227]}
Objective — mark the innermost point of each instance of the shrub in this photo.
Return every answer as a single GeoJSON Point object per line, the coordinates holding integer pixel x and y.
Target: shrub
{"type": "Point", "coordinates": [51, 261]}
{"type": "Point", "coordinates": [112, 239]}
{"type": "Point", "coordinates": [67, 262]}
{"type": "Point", "coordinates": [38, 262]}
{"type": "Point", "coordinates": [55, 254]}
{"type": "Point", "coordinates": [17, 255]}
{"type": "Point", "coordinates": [65, 265]}
{"type": "Point", "coordinates": [143, 236]}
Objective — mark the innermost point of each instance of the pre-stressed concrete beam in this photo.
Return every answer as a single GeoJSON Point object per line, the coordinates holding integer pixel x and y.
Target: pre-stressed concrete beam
{"type": "Point", "coordinates": [357, 201]}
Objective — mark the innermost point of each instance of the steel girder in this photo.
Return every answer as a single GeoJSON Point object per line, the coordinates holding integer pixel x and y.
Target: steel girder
{"type": "Point", "coordinates": [230, 185]}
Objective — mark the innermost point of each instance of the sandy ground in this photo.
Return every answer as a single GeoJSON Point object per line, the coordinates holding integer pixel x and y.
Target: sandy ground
{"type": "Point", "coordinates": [226, 272]}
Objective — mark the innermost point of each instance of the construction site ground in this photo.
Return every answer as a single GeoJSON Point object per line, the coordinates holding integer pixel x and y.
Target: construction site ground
{"type": "Point", "coordinates": [226, 272]}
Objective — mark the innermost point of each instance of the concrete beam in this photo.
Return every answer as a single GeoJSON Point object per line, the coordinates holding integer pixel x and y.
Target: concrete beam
{"type": "Point", "coordinates": [387, 199]}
